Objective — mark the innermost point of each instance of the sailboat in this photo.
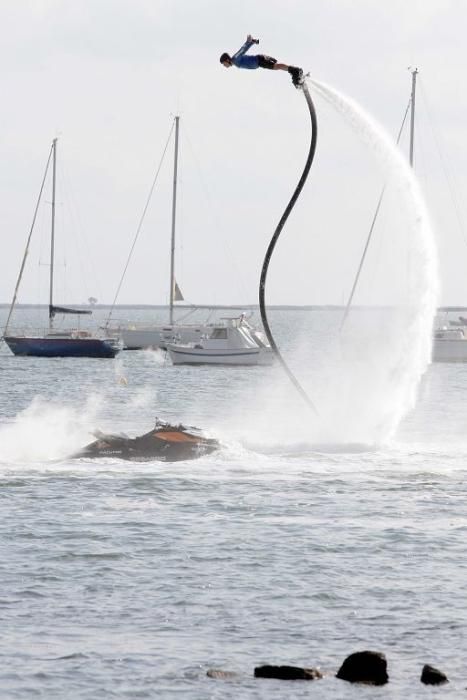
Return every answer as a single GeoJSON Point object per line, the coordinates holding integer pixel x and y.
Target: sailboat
{"type": "Point", "coordinates": [56, 342]}
{"type": "Point", "coordinates": [449, 344]}
{"type": "Point", "coordinates": [148, 335]}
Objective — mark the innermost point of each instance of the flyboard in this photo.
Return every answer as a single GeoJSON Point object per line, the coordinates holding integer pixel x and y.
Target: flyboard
{"type": "Point", "coordinates": [264, 271]}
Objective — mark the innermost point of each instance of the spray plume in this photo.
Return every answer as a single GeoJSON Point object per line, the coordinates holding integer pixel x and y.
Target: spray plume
{"type": "Point", "coordinates": [366, 385]}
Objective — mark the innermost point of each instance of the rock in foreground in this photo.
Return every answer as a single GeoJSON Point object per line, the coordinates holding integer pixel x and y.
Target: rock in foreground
{"type": "Point", "coordinates": [364, 667]}
{"type": "Point", "coordinates": [431, 676]}
{"type": "Point", "coordinates": [288, 673]}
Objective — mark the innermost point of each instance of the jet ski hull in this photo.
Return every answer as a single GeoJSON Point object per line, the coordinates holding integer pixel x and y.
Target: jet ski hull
{"type": "Point", "coordinates": [167, 443]}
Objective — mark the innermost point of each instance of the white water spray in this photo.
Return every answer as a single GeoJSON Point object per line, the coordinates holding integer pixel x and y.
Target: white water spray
{"type": "Point", "coordinates": [365, 387]}
{"type": "Point", "coordinates": [46, 431]}
{"type": "Point", "coordinates": [391, 371]}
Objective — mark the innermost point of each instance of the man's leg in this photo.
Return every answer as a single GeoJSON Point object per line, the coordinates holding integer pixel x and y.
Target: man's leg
{"type": "Point", "coordinates": [280, 66]}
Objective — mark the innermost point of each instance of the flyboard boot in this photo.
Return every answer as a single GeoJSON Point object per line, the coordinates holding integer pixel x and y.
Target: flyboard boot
{"type": "Point", "coordinates": [297, 75]}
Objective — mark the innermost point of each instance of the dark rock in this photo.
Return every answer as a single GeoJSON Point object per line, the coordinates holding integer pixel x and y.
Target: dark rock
{"type": "Point", "coordinates": [431, 676]}
{"type": "Point", "coordinates": [364, 667]}
{"type": "Point", "coordinates": [223, 675]}
{"type": "Point", "coordinates": [288, 673]}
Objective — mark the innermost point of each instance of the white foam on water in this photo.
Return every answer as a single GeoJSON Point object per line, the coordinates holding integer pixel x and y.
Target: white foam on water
{"type": "Point", "coordinates": [47, 431]}
{"type": "Point", "coordinates": [119, 371]}
{"type": "Point", "coordinates": [157, 356]}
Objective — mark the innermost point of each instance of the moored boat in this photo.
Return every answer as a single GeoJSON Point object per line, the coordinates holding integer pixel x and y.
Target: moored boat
{"type": "Point", "coordinates": [63, 344]}
{"type": "Point", "coordinates": [54, 342]}
{"type": "Point", "coordinates": [449, 345]}
{"type": "Point", "coordinates": [150, 335]}
{"type": "Point", "coordinates": [233, 343]}
{"type": "Point", "coordinates": [138, 336]}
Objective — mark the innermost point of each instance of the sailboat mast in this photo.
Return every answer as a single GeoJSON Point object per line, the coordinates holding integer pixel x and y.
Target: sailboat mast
{"type": "Point", "coordinates": [52, 235]}
{"type": "Point", "coordinates": [412, 114]}
{"type": "Point", "coordinates": [174, 211]}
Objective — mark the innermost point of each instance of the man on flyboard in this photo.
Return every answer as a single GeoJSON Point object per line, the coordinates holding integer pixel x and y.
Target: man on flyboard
{"type": "Point", "coordinates": [241, 60]}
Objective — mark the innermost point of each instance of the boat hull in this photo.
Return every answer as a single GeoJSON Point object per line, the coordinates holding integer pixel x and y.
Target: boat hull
{"type": "Point", "coordinates": [201, 356]}
{"type": "Point", "coordinates": [167, 443]}
{"type": "Point", "coordinates": [62, 347]}
{"type": "Point", "coordinates": [449, 350]}
{"type": "Point", "coordinates": [159, 336]}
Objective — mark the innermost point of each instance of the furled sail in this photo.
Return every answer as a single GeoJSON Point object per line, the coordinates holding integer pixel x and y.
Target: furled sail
{"type": "Point", "coordinates": [53, 310]}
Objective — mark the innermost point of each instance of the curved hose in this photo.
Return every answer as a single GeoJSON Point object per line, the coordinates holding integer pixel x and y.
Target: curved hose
{"type": "Point", "coordinates": [272, 244]}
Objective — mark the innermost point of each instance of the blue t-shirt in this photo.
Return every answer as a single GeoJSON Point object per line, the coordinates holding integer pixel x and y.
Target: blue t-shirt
{"type": "Point", "coordinates": [241, 61]}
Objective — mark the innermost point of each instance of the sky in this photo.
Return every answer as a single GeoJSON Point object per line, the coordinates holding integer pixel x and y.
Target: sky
{"type": "Point", "coordinates": [107, 78]}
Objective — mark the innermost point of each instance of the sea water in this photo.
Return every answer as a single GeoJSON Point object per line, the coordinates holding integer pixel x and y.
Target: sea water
{"type": "Point", "coordinates": [122, 580]}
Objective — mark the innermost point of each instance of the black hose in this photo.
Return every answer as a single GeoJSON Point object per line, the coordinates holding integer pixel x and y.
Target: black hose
{"type": "Point", "coordinates": [272, 244]}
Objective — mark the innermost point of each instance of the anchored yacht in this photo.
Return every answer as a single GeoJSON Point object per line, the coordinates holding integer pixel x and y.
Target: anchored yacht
{"type": "Point", "coordinates": [234, 342]}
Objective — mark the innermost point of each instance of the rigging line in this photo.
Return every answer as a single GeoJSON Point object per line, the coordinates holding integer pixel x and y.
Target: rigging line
{"type": "Point", "coordinates": [447, 173]}
{"type": "Point", "coordinates": [79, 237]}
{"type": "Point", "coordinates": [189, 313]}
{"type": "Point", "coordinates": [138, 230]}
{"type": "Point", "coordinates": [215, 218]}
{"type": "Point", "coordinates": [23, 263]}
{"type": "Point", "coordinates": [370, 234]}
{"type": "Point", "coordinates": [272, 244]}
{"type": "Point", "coordinates": [192, 308]}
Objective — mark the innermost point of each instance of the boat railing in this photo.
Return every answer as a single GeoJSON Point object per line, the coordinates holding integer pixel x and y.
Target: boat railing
{"type": "Point", "coordinates": [45, 332]}
{"type": "Point", "coordinates": [36, 331]}
{"type": "Point", "coordinates": [449, 334]}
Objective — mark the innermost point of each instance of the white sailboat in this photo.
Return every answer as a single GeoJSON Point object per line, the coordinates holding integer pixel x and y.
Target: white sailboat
{"type": "Point", "coordinates": [139, 336]}
{"type": "Point", "coordinates": [449, 344]}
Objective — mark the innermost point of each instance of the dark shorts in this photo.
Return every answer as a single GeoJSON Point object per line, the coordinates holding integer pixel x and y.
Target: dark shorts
{"type": "Point", "coordinates": [266, 61]}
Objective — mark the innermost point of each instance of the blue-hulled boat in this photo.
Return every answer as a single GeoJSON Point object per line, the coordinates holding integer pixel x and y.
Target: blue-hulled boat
{"type": "Point", "coordinates": [53, 342]}
{"type": "Point", "coordinates": [62, 345]}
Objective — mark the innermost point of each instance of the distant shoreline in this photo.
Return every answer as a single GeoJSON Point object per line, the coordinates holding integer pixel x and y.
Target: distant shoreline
{"type": "Point", "coordinates": [237, 307]}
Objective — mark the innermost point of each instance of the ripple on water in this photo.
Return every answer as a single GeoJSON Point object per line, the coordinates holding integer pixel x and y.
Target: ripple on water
{"type": "Point", "coordinates": [124, 581]}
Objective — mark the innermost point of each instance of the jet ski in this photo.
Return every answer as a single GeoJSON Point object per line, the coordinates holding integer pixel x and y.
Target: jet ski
{"type": "Point", "coordinates": [165, 443]}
